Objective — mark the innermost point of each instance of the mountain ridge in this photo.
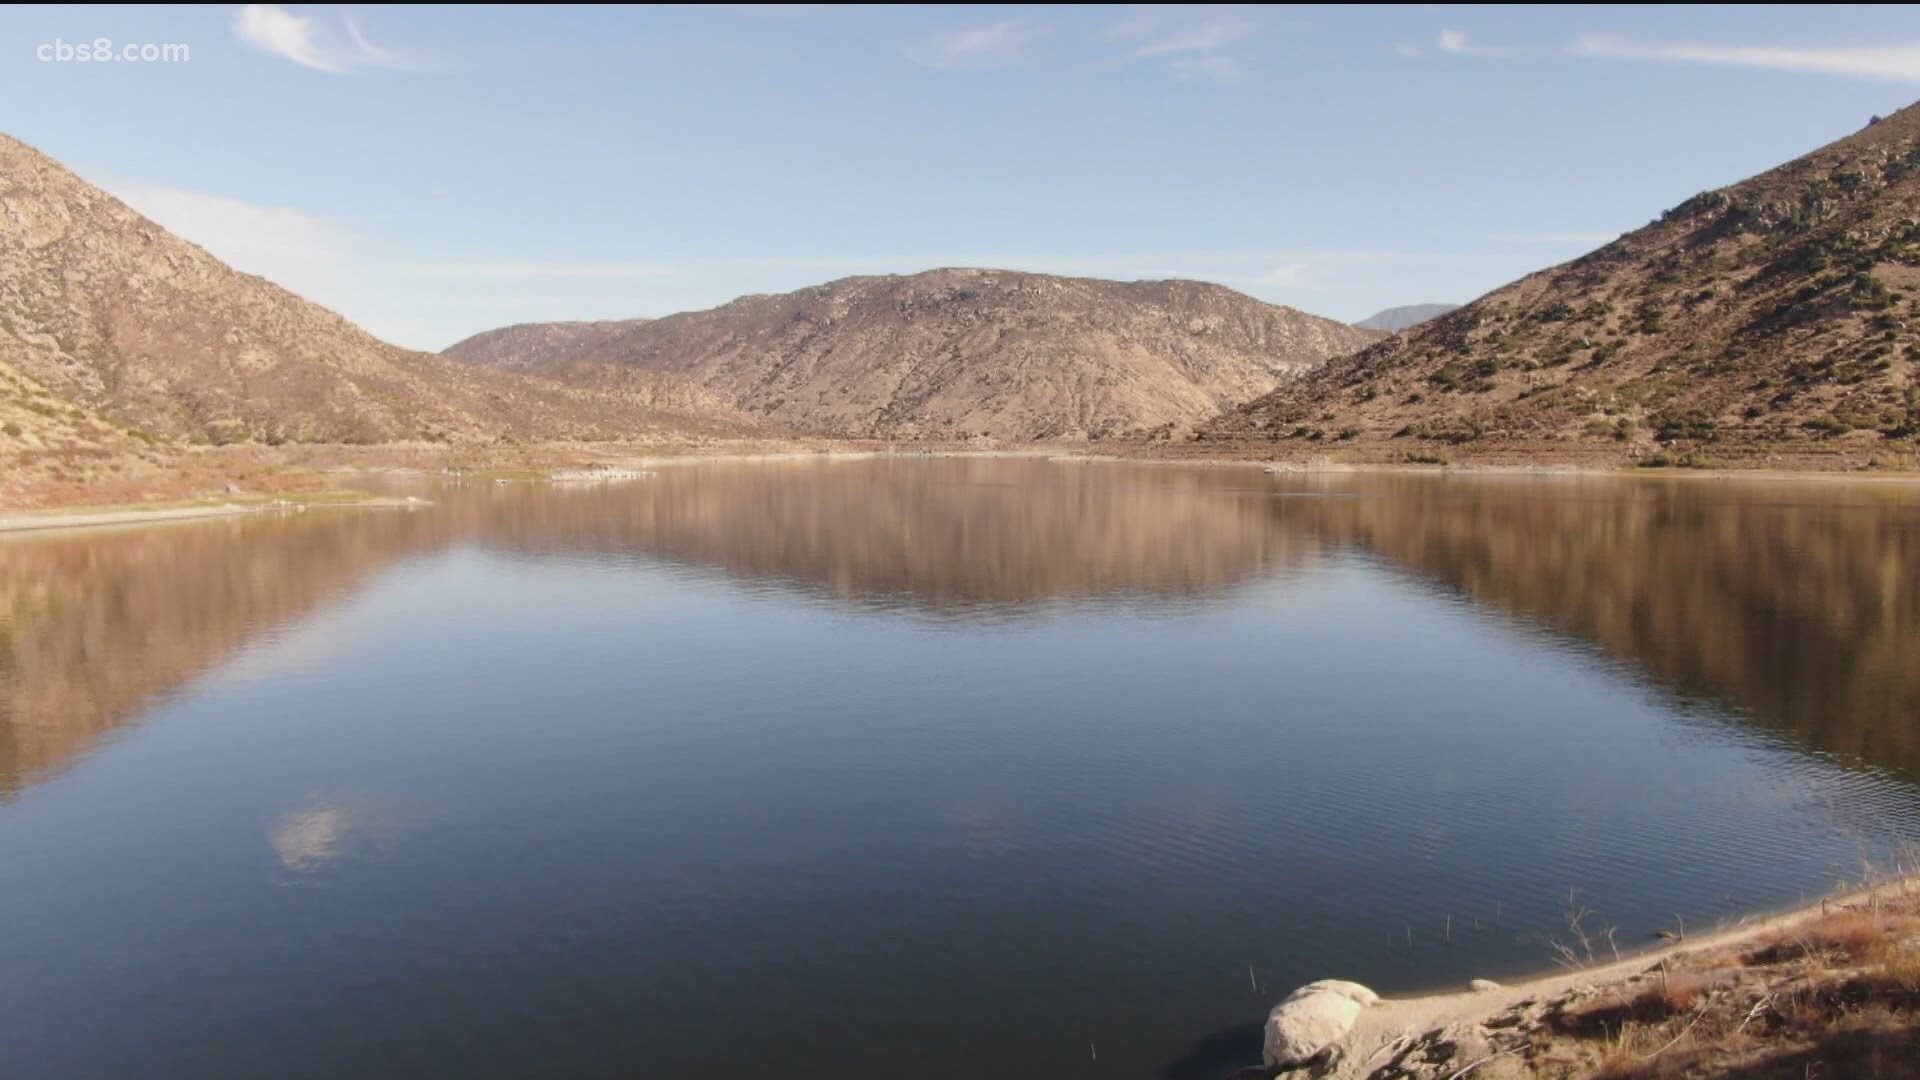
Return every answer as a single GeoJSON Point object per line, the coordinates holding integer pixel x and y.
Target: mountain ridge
{"type": "Point", "coordinates": [957, 352]}
{"type": "Point", "coordinates": [523, 346]}
{"type": "Point", "coordinates": [1778, 310]}
{"type": "Point", "coordinates": [115, 334]}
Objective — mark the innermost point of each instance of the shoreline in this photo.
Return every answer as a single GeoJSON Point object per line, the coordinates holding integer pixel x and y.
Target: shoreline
{"type": "Point", "coordinates": [1501, 469]}
{"type": "Point", "coordinates": [1398, 1024]}
{"type": "Point", "coordinates": [304, 477]}
{"type": "Point", "coordinates": [133, 515]}
{"type": "Point", "coordinates": [568, 465]}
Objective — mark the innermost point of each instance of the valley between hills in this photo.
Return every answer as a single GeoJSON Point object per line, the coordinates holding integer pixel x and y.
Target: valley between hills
{"type": "Point", "coordinates": [1769, 324]}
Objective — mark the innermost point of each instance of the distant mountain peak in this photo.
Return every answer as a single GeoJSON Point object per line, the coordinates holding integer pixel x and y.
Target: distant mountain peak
{"type": "Point", "coordinates": [1395, 319]}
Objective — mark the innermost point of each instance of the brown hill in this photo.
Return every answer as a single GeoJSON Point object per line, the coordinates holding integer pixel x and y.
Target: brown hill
{"type": "Point", "coordinates": [957, 353]}
{"type": "Point", "coordinates": [528, 346]}
{"type": "Point", "coordinates": [1778, 311]}
{"type": "Point", "coordinates": [116, 334]}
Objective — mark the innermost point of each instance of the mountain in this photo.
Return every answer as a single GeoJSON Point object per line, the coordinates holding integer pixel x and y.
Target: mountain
{"type": "Point", "coordinates": [116, 335]}
{"type": "Point", "coordinates": [1395, 319]}
{"type": "Point", "coordinates": [1779, 311]}
{"type": "Point", "coordinates": [959, 352]}
{"type": "Point", "coordinates": [527, 346]}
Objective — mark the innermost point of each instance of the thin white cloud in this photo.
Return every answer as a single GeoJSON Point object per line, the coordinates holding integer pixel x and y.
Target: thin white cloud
{"type": "Point", "coordinates": [313, 256]}
{"type": "Point", "coordinates": [259, 239]}
{"type": "Point", "coordinates": [999, 44]}
{"type": "Point", "coordinates": [1460, 43]}
{"type": "Point", "coordinates": [1205, 37]}
{"type": "Point", "coordinates": [298, 38]}
{"type": "Point", "coordinates": [286, 245]}
{"type": "Point", "coordinates": [1187, 46]}
{"type": "Point", "coordinates": [1892, 63]}
{"type": "Point", "coordinates": [279, 31]}
{"type": "Point", "coordinates": [1289, 275]}
{"type": "Point", "coordinates": [375, 54]}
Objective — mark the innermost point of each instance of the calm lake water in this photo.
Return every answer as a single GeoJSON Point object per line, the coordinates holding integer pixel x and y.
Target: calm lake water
{"type": "Point", "coordinates": [929, 768]}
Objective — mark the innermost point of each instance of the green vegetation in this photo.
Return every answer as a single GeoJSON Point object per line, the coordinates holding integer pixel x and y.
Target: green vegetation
{"type": "Point", "coordinates": [1458, 379]}
{"type": "Point", "coordinates": [1619, 429]}
{"type": "Point", "coordinates": [1870, 293]}
{"type": "Point", "coordinates": [1693, 425]}
{"type": "Point", "coordinates": [1702, 205]}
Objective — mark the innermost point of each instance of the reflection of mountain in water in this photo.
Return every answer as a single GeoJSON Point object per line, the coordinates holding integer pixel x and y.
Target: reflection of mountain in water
{"type": "Point", "coordinates": [944, 534]}
{"type": "Point", "coordinates": [95, 626]}
{"type": "Point", "coordinates": [1798, 604]}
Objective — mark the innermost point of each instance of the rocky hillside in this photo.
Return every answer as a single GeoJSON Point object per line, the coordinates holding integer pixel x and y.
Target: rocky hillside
{"type": "Point", "coordinates": [1779, 311]}
{"type": "Point", "coordinates": [116, 334]}
{"type": "Point", "coordinates": [1396, 319]}
{"type": "Point", "coordinates": [960, 353]}
{"type": "Point", "coordinates": [528, 346]}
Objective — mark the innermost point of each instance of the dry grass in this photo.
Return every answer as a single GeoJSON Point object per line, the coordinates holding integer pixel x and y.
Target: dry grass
{"type": "Point", "coordinates": [1834, 996]}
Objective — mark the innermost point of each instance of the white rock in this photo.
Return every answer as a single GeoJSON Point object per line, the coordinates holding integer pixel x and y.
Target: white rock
{"type": "Point", "coordinates": [1366, 998]}
{"type": "Point", "coordinates": [1484, 986]}
{"type": "Point", "coordinates": [1312, 1019]}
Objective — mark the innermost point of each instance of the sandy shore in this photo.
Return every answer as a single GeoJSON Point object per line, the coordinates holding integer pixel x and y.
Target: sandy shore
{"type": "Point", "coordinates": [1088, 453]}
{"type": "Point", "coordinates": [110, 516]}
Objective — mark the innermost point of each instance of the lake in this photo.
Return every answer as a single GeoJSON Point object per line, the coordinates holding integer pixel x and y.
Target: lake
{"type": "Point", "coordinates": [925, 767]}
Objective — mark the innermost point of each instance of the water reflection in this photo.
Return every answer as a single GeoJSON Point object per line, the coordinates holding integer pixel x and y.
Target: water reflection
{"type": "Point", "coordinates": [304, 839]}
{"type": "Point", "coordinates": [1796, 604]}
{"type": "Point", "coordinates": [968, 764]}
{"type": "Point", "coordinates": [942, 535]}
{"type": "Point", "coordinates": [97, 626]}
{"type": "Point", "coordinates": [331, 827]}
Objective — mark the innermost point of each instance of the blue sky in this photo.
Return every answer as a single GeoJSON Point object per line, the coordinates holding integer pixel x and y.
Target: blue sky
{"type": "Point", "coordinates": [431, 172]}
